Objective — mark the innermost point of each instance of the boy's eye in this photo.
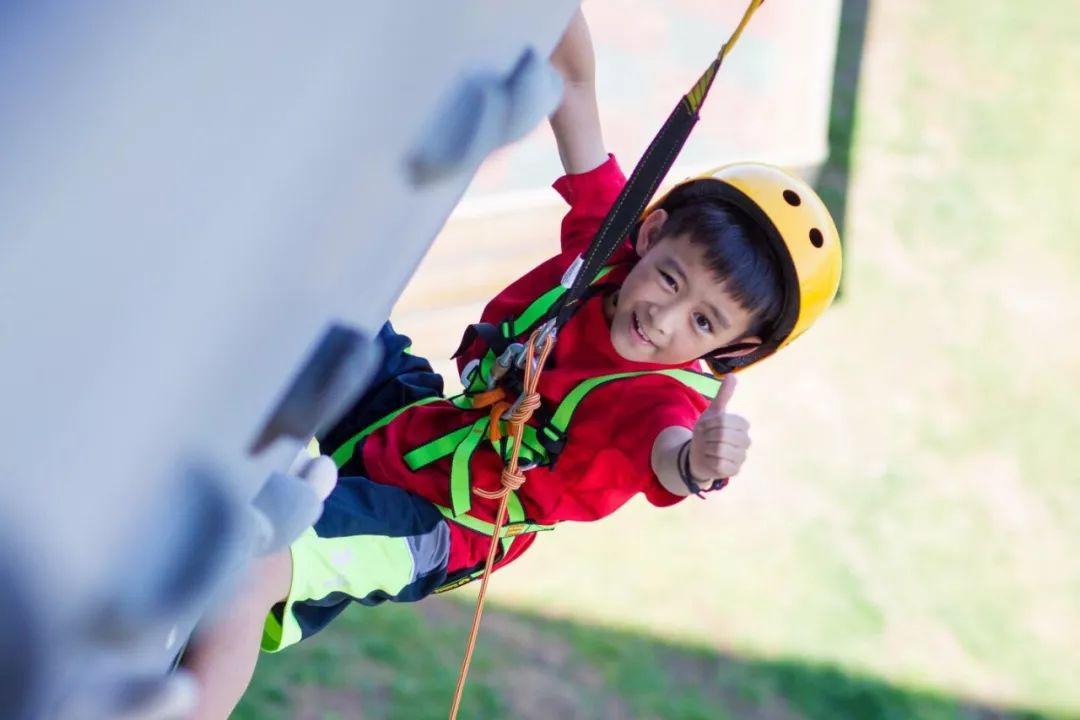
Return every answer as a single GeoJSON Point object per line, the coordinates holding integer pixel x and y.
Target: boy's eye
{"type": "Point", "coordinates": [669, 280]}
{"type": "Point", "coordinates": [702, 322]}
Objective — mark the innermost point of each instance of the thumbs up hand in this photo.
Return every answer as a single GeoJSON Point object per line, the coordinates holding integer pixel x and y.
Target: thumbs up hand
{"type": "Point", "coordinates": [720, 440]}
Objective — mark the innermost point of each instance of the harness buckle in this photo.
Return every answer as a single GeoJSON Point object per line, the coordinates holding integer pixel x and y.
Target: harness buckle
{"type": "Point", "coordinates": [571, 273]}
{"type": "Point", "coordinates": [545, 330]}
{"type": "Point", "coordinates": [511, 357]}
{"type": "Point", "coordinates": [514, 529]}
{"type": "Point", "coordinates": [468, 373]}
{"type": "Point", "coordinates": [552, 440]}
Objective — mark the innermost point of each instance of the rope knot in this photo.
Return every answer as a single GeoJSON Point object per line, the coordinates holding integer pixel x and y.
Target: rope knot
{"type": "Point", "coordinates": [525, 408]}
{"type": "Point", "coordinates": [512, 479]}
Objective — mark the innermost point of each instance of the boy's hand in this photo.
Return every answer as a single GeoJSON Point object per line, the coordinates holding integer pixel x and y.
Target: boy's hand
{"type": "Point", "coordinates": [573, 57]}
{"type": "Point", "coordinates": [720, 440]}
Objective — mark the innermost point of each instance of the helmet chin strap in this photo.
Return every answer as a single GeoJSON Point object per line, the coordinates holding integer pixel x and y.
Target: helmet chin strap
{"type": "Point", "coordinates": [736, 347]}
{"type": "Point", "coordinates": [723, 365]}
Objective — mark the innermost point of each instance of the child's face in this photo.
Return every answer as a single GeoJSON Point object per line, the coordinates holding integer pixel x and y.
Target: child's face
{"type": "Point", "coordinates": [671, 308]}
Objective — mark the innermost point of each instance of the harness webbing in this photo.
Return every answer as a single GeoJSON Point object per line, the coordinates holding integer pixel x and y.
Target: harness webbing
{"type": "Point", "coordinates": [462, 443]}
{"type": "Point", "coordinates": [438, 448]}
{"type": "Point", "coordinates": [704, 384]}
{"type": "Point", "coordinates": [542, 306]}
{"type": "Point", "coordinates": [498, 338]}
{"type": "Point", "coordinates": [344, 453]}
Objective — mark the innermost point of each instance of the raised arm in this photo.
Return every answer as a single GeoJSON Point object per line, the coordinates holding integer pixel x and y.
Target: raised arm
{"type": "Point", "coordinates": [576, 122]}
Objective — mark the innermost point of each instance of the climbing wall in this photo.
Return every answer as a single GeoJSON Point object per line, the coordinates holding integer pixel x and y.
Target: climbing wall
{"type": "Point", "coordinates": [206, 211]}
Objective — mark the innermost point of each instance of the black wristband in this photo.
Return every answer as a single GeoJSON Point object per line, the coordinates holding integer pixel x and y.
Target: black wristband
{"type": "Point", "coordinates": [682, 462]}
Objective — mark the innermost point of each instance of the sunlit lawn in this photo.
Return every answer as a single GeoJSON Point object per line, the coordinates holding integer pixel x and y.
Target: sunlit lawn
{"type": "Point", "coordinates": [903, 541]}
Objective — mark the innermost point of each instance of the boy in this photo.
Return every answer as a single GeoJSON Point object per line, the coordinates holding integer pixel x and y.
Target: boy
{"type": "Point", "coordinates": [726, 269]}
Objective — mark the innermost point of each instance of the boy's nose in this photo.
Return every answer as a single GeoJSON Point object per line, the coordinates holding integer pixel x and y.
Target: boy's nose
{"type": "Point", "coordinates": [663, 318]}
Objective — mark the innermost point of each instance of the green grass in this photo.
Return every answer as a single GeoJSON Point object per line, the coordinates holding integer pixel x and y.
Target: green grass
{"type": "Point", "coordinates": [394, 662]}
{"type": "Point", "coordinates": [903, 540]}
{"type": "Point", "coordinates": [400, 662]}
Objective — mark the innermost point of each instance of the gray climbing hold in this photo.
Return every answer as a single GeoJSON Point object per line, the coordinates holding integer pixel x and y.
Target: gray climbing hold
{"type": "Point", "coordinates": [149, 697]}
{"type": "Point", "coordinates": [484, 111]}
{"type": "Point", "coordinates": [198, 535]}
{"type": "Point", "coordinates": [23, 655]}
{"type": "Point", "coordinates": [331, 377]}
{"type": "Point", "coordinates": [289, 505]}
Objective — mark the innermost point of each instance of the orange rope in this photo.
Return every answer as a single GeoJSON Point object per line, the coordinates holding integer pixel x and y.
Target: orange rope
{"type": "Point", "coordinates": [512, 479]}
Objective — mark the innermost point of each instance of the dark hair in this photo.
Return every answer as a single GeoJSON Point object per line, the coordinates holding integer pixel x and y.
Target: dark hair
{"type": "Point", "coordinates": [736, 249]}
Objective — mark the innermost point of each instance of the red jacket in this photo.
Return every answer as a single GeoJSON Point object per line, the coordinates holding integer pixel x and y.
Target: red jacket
{"type": "Point", "coordinates": [607, 457]}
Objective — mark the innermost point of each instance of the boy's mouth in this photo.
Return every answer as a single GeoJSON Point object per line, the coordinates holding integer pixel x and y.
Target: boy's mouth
{"type": "Point", "coordinates": [639, 331]}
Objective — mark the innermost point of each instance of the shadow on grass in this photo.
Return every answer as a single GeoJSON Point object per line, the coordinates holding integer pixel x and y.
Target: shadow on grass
{"type": "Point", "coordinates": [398, 662]}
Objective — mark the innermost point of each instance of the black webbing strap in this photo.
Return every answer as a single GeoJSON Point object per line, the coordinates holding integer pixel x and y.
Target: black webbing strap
{"type": "Point", "coordinates": [490, 334]}
{"type": "Point", "coordinates": [638, 191]}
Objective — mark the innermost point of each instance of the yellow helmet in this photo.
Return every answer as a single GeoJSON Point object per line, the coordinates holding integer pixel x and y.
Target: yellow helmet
{"type": "Point", "coordinates": [802, 238]}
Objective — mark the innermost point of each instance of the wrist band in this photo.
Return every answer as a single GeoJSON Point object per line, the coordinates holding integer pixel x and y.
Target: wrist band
{"type": "Point", "coordinates": [682, 462]}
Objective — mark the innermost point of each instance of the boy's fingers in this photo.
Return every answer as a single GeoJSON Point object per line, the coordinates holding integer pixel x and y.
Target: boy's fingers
{"type": "Point", "coordinates": [725, 422]}
{"type": "Point", "coordinates": [729, 453]}
{"type": "Point", "coordinates": [716, 449]}
{"type": "Point", "coordinates": [727, 389]}
{"type": "Point", "coordinates": [734, 438]}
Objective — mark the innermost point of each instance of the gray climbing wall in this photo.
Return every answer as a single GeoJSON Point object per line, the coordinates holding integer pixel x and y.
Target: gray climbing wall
{"type": "Point", "coordinates": [206, 210]}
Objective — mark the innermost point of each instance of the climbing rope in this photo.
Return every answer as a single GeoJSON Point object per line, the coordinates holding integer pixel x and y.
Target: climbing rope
{"type": "Point", "coordinates": [512, 478]}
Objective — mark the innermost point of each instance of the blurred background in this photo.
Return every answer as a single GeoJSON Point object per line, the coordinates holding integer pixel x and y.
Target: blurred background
{"type": "Point", "coordinates": [903, 540]}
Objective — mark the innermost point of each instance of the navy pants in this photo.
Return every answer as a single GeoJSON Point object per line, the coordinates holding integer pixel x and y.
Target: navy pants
{"type": "Point", "coordinates": [373, 542]}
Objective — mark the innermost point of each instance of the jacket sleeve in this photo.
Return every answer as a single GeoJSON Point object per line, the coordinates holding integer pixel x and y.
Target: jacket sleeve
{"type": "Point", "coordinates": [590, 195]}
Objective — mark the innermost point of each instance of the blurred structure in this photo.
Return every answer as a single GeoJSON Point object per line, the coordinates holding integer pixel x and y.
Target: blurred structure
{"type": "Point", "coordinates": [771, 103]}
{"type": "Point", "coordinates": [188, 194]}
{"type": "Point", "coordinates": [834, 176]}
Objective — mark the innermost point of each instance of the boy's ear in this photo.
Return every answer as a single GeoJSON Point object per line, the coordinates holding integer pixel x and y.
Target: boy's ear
{"type": "Point", "coordinates": [649, 232]}
{"type": "Point", "coordinates": [745, 346]}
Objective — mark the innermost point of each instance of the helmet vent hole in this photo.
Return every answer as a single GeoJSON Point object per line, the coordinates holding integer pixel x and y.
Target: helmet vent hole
{"type": "Point", "coordinates": [816, 238]}
{"type": "Point", "coordinates": [792, 198]}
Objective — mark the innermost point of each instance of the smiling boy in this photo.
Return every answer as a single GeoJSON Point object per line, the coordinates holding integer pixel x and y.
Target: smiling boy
{"type": "Point", "coordinates": [723, 270]}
